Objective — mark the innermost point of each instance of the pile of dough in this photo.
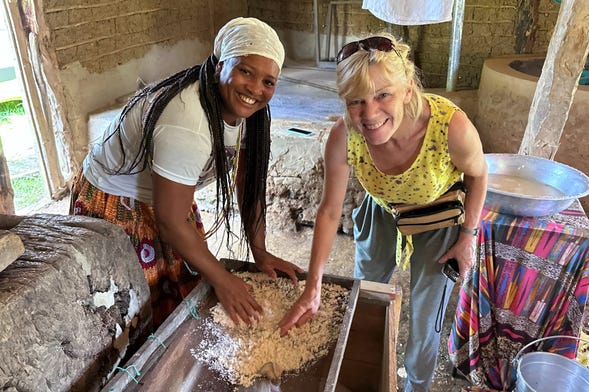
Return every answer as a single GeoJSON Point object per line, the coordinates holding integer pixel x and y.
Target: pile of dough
{"type": "Point", "coordinates": [242, 353]}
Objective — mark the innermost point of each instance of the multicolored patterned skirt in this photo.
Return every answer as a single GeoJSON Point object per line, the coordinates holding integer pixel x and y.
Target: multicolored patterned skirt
{"type": "Point", "coordinates": [169, 279]}
{"type": "Point", "coordinates": [530, 283]}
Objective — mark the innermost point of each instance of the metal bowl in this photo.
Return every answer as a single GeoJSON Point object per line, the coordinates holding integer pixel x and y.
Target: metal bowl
{"type": "Point", "coordinates": [572, 184]}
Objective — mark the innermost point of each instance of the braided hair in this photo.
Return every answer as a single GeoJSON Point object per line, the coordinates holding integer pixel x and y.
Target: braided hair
{"type": "Point", "coordinates": [156, 97]}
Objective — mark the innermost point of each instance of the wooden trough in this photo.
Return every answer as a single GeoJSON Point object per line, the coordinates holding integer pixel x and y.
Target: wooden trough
{"type": "Point", "coordinates": [362, 359]}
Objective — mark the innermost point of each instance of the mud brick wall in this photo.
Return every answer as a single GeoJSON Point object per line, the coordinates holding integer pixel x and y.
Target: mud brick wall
{"type": "Point", "coordinates": [489, 29]}
{"type": "Point", "coordinates": [105, 33]}
{"type": "Point", "coordinates": [102, 34]}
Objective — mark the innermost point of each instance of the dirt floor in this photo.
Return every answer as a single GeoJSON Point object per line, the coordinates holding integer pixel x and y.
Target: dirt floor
{"type": "Point", "coordinates": [295, 246]}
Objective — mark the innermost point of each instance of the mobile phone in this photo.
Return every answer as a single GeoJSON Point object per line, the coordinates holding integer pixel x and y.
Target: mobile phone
{"type": "Point", "coordinates": [450, 270]}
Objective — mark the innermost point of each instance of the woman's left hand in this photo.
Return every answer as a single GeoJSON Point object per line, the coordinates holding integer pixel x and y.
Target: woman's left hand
{"type": "Point", "coordinates": [464, 251]}
{"type": "Point", "coordinates": [269, 264]}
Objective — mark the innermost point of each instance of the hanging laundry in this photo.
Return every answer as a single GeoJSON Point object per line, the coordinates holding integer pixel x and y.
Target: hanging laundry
{"type": "Point", "coordinates": [410, 12]}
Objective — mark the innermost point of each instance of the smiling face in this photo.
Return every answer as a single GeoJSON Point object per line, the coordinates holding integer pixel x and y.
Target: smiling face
{"type": "Point", "coordinates": [378, 114]}
{"type": "Point", "coordinates": [246, 85]}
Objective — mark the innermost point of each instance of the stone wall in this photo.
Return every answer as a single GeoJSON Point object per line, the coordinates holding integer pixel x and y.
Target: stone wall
{"type": "Point", "coordinates": [95, 51]}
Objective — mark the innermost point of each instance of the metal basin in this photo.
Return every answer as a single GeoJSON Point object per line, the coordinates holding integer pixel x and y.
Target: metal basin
{"type": "Point", "coordinates": [571, 183]}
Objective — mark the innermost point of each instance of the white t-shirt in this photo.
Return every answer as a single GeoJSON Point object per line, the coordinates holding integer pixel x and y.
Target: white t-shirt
{"type": "Point", "coordinates": [182, 149]}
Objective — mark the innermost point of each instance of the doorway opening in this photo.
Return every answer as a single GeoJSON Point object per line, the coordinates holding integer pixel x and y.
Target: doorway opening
{"type": "Point", "coordinates": [18, 143]}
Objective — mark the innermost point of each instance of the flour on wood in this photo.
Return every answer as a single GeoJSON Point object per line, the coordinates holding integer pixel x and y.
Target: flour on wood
{"type": "Point", "coordinates": [242, 353]}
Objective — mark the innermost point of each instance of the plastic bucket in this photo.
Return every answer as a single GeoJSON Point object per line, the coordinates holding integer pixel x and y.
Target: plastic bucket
{"type": "Point", "coordinates": [549, 372]}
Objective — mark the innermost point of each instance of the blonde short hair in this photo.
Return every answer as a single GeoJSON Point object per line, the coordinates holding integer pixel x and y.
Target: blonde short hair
{"type": "Point", "coordinates": [353, 79]}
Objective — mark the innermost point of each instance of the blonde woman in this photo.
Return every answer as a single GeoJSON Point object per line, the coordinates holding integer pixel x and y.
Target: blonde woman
{"type": "Point", "coordinates": [404, 146]}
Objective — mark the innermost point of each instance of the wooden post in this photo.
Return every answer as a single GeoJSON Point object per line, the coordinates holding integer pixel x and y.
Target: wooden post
{"type": "Point", "coordinates": [36, 92]}
{"type": "Point", "coordinates": [6, 191]}
{"type": "Point", "coordinates": [559, 80]}
{"type": "Point", "coordinates": [526, 25]}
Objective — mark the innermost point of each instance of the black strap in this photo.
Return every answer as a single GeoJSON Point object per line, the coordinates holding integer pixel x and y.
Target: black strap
{"type": "Point", "coordinates": [440, 315]}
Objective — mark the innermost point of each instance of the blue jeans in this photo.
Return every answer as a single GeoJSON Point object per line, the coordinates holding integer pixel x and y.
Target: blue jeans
{"type": "Point", "coordinates": [375, 234]}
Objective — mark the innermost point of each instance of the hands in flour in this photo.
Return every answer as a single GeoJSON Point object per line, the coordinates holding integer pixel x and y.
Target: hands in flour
{"type": "Point", "coordinates": [302, 311]}
{"type": "Point", "coordinates": [269, 264]}
{"type": "Point", "coordinates": [235, 296]}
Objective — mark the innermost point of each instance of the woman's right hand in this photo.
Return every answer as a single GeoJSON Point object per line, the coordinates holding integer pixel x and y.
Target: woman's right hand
{"type": "Point", "coordinates": [235, 296]}
{"type": "Point", "coordinates": [301, 311]}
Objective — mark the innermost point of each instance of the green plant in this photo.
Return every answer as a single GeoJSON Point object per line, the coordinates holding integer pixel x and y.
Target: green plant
{"type": "Point", "coordinates": [28, 190]}
{"type": "Point", "coordinates": [9, 109]}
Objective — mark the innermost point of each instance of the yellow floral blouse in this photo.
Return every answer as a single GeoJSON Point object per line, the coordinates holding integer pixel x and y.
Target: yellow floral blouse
{"type": "Point", "coordinates": [431, 174]}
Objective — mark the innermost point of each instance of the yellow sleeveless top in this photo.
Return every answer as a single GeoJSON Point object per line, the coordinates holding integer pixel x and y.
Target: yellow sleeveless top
{"type": "Point", "coordinates": [431, 174]}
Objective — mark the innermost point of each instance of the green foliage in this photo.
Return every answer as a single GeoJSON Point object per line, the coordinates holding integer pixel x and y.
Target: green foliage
{"type": "Point", "coordinates": [9, 109]}
{"type": "Point", "coordinates": [28, 184]}
{"type": "Point", "coordinates": [28, 190]}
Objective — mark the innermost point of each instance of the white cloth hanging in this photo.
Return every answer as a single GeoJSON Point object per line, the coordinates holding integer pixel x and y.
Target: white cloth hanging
{"type": "Point", "coordinates": [410, 12]}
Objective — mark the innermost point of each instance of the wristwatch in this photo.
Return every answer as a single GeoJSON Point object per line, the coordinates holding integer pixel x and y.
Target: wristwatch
{"type": "Point", "coordinates": [474, 231]}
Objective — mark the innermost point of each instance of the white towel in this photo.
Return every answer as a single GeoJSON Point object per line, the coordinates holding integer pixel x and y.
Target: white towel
{"type": "Point", "coordinates": [410, 12]}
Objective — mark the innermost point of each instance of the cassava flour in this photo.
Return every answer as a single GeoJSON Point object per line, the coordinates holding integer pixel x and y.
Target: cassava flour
{"type": "Point", "coordinates": [241, 353]}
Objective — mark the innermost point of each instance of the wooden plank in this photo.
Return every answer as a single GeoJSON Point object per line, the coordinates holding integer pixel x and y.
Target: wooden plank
{"type": "Point", "coordinates": [11, 248]}
{"type": "Point", "coordinates": [36, 98]}
{"type": "Point", "coordinates": [558, 82]}
{"type": "Point", "coordinates": [374, 290]}
{"type": "Point", "coordinates": [6, 191]}
{"type": "Point", "coordinates": [177, 369]}
{"type": "Point", "coordinates": [377, 290]}
{"type": "Point", "coordinates": [150, 353]}
{"type": "Point", "coordinates": [389, 362]}
{"type": "Point", "coordinates": [365, 343]}
{"type": "Point", "coordinates": [360, 376]}
{"type": "Point", "coordinates": [370, 360]}
{"type": "Point", "coordinates": [342, 339]}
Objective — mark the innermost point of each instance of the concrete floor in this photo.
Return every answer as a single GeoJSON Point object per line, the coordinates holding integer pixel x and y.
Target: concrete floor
{"type": "Point", "coordinates": [306, 94]}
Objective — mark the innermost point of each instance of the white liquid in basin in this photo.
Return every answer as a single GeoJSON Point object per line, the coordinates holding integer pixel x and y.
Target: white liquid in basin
{"type": "Point", "coordinates": [522, 186]}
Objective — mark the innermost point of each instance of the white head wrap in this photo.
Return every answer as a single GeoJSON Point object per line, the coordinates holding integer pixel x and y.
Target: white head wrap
{"type": "Point", "coordinates": [243, 36]}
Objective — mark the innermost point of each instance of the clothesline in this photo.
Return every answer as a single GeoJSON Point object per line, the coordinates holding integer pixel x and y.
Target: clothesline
{"type": "Point", "coordinates": [404, 13]}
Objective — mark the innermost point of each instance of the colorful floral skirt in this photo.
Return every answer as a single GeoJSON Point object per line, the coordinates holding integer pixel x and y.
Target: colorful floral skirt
{"type": "Point", "coordinates": [168, 277]}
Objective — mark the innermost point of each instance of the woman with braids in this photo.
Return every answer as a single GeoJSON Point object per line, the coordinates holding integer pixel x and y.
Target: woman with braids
{"type": "Point", "coordinates": [404, 146]}
{"type": "Point", "coordinates": [209, 122]}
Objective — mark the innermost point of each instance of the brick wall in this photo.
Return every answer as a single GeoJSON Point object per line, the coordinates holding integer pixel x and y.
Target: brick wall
{"type": "Point", "coordinates": [488, 31]}
{"type": "Point", "coordinates": [101, 34]}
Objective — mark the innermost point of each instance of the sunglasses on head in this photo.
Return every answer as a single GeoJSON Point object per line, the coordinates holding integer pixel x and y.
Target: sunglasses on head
{"type": "Point", "coordinates": [382, 44]}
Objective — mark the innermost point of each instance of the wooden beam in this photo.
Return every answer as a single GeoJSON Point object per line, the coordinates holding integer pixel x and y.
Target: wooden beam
{"type": "Point", "coordinates": [11, 248]}
{"type": "Point", "coordinates": [567, 53]}
{"type": "Point", "coordinates": [36, 95]}
{"type": "Point", "coordinates": [6, 191]}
